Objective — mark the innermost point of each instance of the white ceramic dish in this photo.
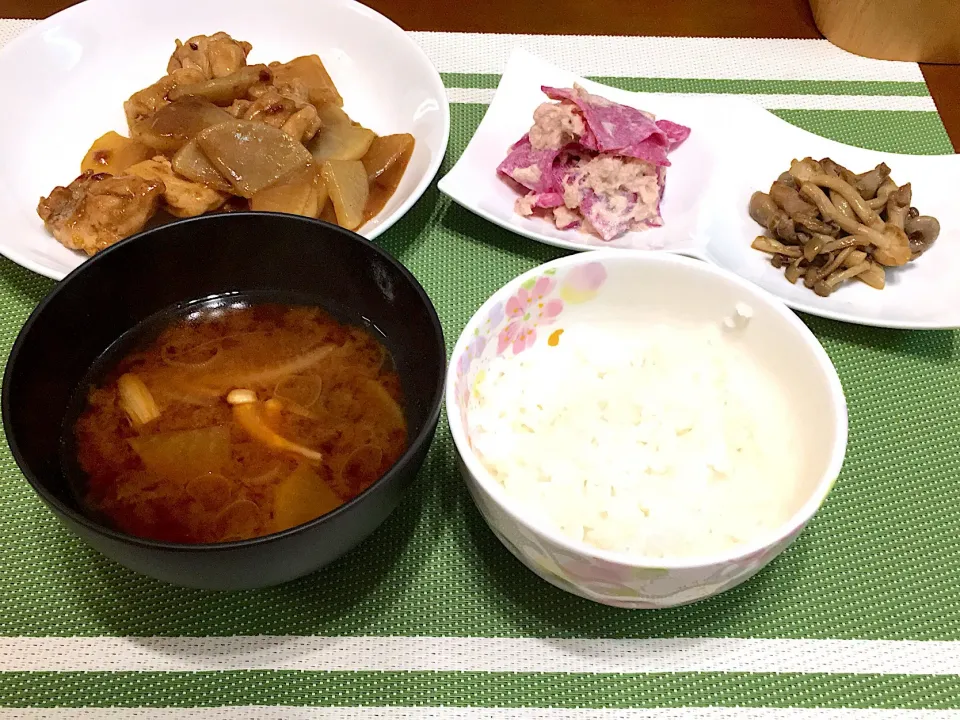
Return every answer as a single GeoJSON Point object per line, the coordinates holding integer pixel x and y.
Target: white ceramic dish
{"type": "Point", "coordinates": [735, 148]}
{"type": "Point", "coordinates": [638, 288]}
{"type": "Point", "coordinates": [71, 73]}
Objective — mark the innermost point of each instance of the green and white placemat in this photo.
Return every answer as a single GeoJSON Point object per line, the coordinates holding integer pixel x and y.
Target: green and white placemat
{"type": "Point", "coordinates": [432, 618]}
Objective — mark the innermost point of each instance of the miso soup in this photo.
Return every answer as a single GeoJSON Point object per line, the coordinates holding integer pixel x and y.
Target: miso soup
{"type": "Point", "coordinates": [230, 420]}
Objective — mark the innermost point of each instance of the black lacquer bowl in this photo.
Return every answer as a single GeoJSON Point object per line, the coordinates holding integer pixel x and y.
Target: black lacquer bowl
{"type": "Point", "coordinates": [248, 253]}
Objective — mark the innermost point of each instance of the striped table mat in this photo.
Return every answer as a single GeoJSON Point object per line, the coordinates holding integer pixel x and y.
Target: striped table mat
{"type": "Point", "coordinates": [432, 618]}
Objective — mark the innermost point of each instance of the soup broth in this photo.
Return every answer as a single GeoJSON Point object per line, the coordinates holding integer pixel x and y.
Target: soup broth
{"type": "Point", "coordinates": [236, 420]}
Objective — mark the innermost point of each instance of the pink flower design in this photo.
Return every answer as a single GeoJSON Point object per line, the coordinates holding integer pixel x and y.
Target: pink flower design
{"type": "Point", "coordinates": [494, 318]}
{"type": "Point", "coordinates": [582, 282]}
{"type": "Point", "coordinates": [471, 353]}
{"type": "Point", "coordinates": [526, 311]}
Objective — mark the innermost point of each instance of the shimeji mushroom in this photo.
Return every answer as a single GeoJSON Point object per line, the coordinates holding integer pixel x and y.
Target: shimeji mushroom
{"type": "Point", "coordinates": [831, 224]}
{"type": "Point", "coordinates": [922, 231]}
{"type": "Point", "coordinates": [893, 247]}
{"type": "Point", "coordinates": [248, 411]}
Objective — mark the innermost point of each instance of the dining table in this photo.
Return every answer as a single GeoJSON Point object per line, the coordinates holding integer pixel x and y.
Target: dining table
{"type": "Point", "coordinates": [859, 619]}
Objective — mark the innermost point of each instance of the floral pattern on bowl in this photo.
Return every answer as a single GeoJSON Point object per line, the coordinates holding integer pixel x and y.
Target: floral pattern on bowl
{"type": "Point", "coordinates": [617, 584]}
{"type": "Point", "coordinates": [534, 305]}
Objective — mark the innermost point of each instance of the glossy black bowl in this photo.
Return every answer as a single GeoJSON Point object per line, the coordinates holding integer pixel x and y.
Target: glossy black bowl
{"type": "Point", "coordinates": [262, 253]}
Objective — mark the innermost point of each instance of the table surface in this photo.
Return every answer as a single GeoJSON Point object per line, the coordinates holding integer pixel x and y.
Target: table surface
{"type": "Point", "coordinates": [684, 18]}
{"type": "Point", "coordinates": [432, 617]}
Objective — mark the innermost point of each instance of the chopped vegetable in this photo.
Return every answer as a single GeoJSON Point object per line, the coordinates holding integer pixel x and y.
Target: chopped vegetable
{"type": "Point", "coordinates": [174, 125]}
{"type": "Point", "coordinates": [184, 454]}
{"type": "Point", "coordinates": [341, 142]}
{"type": "Point", "coordinates": [251, 155]}
{"type": "Point", "coordinates": [301, 497]}
{"type": "Point", "coordinates": [113, 153]}
{"type": "Point", "coordinates": [212, 490]}
{"type": "Point", "coordinates": [300, 193]}
{"type": "Point", "coordinates": [331, 114]}
{"type": "Point", "coordinates": [301, 390]}
{"type": "Point", "coordinates": [191, 163]}
{"type": "Point", "coordinates": [136, 400]}
{"type": "Point", "coordinates": [239, 520]}
{"type": "Point", "coordinates": [385, 152]}
{"type": "Point", "coordinates": [346, 181]}
{"type": "Point", "coordinates": [223, 90]}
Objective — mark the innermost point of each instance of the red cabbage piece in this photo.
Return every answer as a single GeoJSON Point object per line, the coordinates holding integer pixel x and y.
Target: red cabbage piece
{"type": "Point", "coordinates": [675, 132]}
{"type": "Point", "coordinates": [621, 129]}
{"type": "Point", "coordinates": [522, 157]}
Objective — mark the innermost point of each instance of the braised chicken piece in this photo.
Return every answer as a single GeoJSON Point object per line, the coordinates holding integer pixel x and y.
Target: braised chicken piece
{"type": "Point", "coordinates": [303, 124]}
{"type": "Point", "coordinates": [270, 107]}
{"type": "Point", "coordinates": [181, 197]}
{"type": "Point", "coordinates": [293, 89]}
{"type": "Point", "coordinates": [144, 103]}
{"type": "Point", "coordinates": [298, 119]}
{"type": "Point", "coordinates": [239, 108]}
{"type": "Point", "coordinates": [97, 210]}
{"type": "Point", "coordinates": [214, 55]}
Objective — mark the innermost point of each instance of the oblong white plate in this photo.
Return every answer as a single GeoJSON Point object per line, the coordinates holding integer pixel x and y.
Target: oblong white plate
{"type": "Point", "coordinates": [473, 182]}
{"type": "Point", "coordinates": [66, 78]}
{"type": "Point", "coordinates": [735, 148]}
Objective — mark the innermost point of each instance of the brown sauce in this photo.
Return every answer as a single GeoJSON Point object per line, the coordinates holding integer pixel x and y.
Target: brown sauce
{"type": "Point", "coordinates": [183, 463]}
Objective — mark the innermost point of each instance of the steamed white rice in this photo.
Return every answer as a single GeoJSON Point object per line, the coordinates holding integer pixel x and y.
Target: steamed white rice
{"type": "Point", "coordinates": [670, 441]}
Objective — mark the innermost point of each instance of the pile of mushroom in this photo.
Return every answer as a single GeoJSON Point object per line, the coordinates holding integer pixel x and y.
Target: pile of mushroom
{"type": "Point", "coordinates": [830, 225]}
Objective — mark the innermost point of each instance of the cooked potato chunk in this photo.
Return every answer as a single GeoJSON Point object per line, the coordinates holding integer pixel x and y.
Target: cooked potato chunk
{"type": "Point", "coordinates": [172, 126]}
{"type": "Point", "coordinates": [306, 72]}
{"type": "Point", "coordinates": [113, 153]}
{"type": "Point", "coordinates": [191, 163]}
{"type": "Point", "coordinates": [300, 193]}
{"type": "Point", "coordinates": [346, 181]}
{"type": "Point", "coordinates": [251, 155]}
{"type": "Point", "coordinates": [385, 152]}
{"type": "Point", "coordinates": [341, 142]}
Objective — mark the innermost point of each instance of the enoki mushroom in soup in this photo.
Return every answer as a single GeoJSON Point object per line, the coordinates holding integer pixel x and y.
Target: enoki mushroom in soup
{"type": "Point", "coordinates": [829, 225]}
{"type": "Point", "coordinates": [237, 423]}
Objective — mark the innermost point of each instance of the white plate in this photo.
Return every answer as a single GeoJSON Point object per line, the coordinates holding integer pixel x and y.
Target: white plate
{"type": "Point", "coordinates": [66, 78]}
{"type": "Point", "coordinates": [735, 148]}
{"type": "Point", "coordinates": [473, 182]}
